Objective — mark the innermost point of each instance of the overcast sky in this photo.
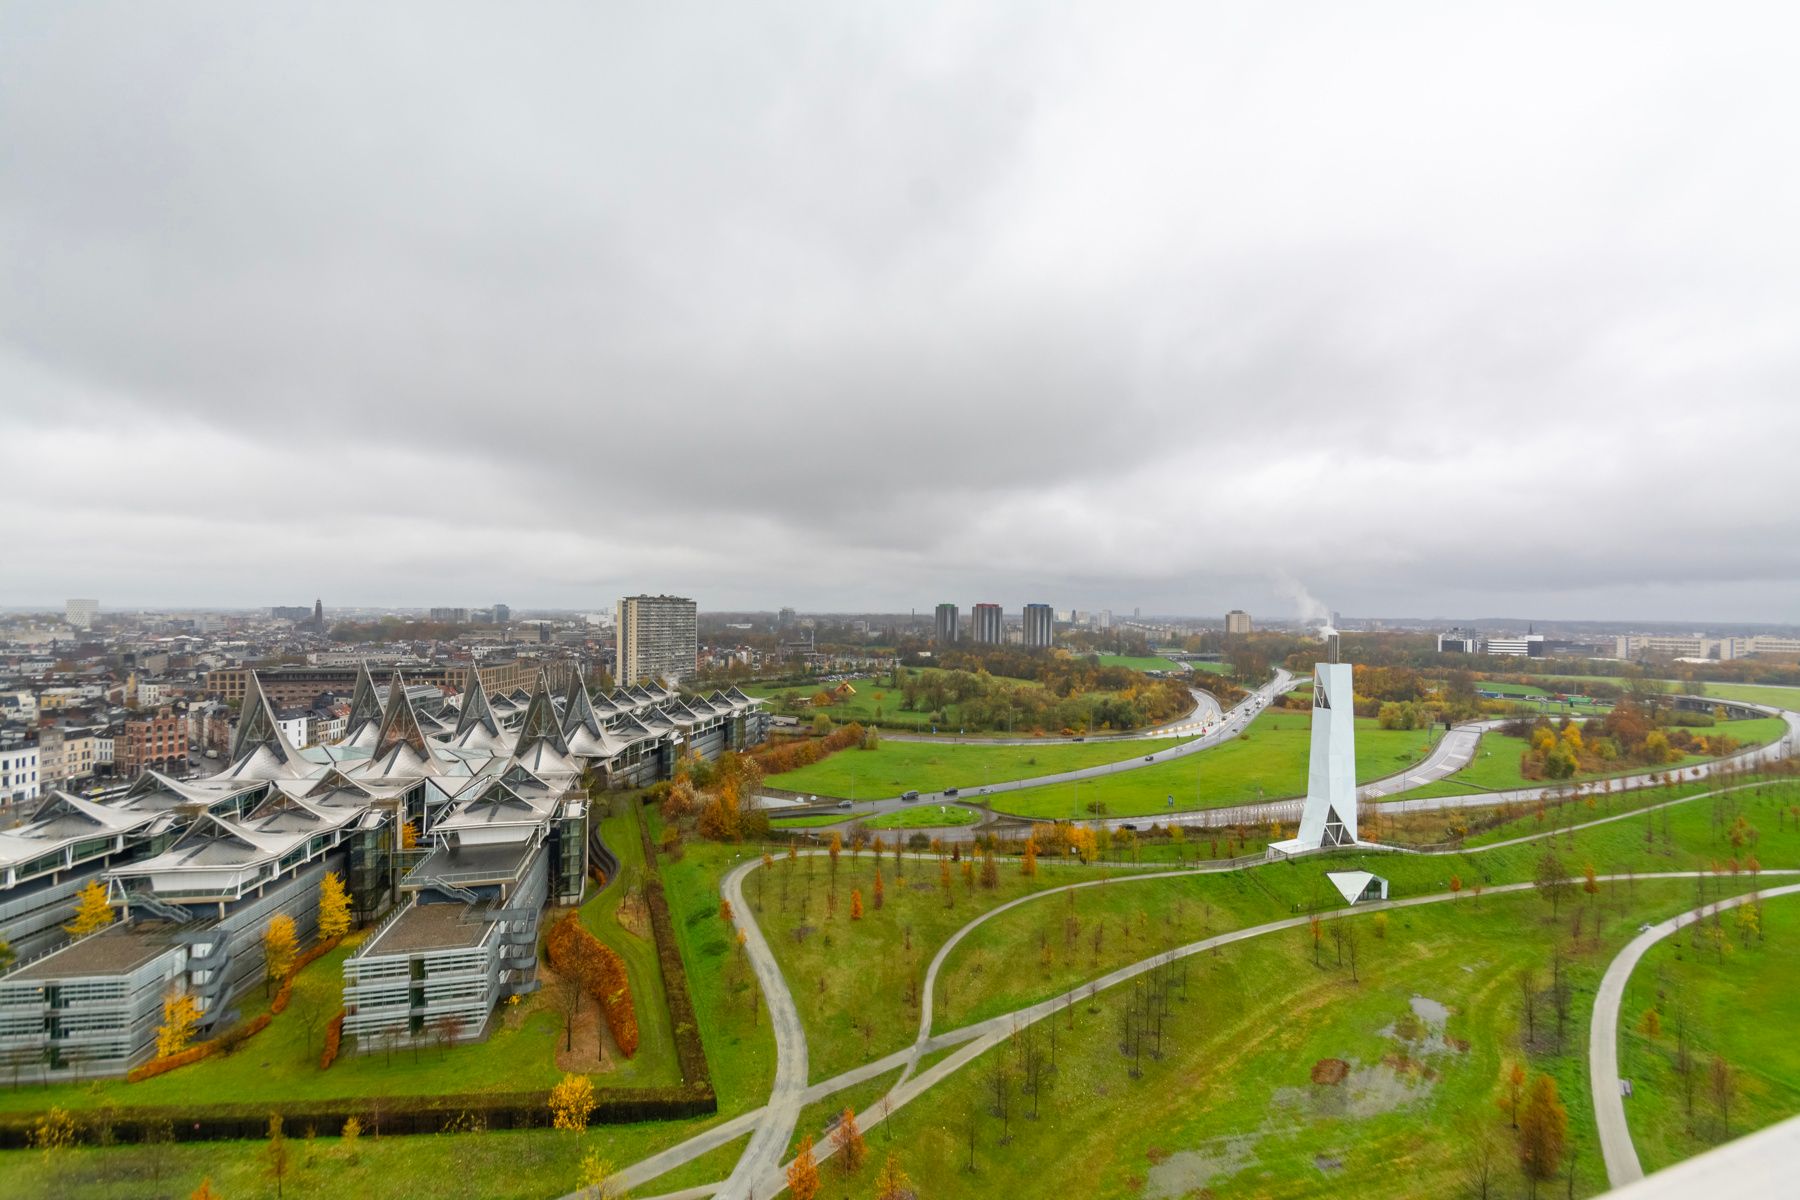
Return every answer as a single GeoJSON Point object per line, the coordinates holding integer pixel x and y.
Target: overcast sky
{"type": "Point", "coordinates": [1420, 309]}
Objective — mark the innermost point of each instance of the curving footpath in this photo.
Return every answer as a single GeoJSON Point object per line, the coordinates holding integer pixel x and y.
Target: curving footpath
{"type": "Point", "coordinates": [1622, 1166]}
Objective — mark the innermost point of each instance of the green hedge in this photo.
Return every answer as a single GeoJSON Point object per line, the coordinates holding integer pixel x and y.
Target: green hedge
{"type": "Point", "coordinates": [690, 1051]}
{"type": "Point", "coordinates": [391, 1114]}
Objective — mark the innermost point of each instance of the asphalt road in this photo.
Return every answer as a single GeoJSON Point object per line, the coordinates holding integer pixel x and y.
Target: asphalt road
{"type": "Point", "coordinates": [1454, 751]}
{"type": "Point", "coordinates": [1622, 1166]}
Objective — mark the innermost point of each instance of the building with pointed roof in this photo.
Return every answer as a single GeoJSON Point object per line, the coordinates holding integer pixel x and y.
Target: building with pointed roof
{"type": "Point", "coordinates": [196, 868]}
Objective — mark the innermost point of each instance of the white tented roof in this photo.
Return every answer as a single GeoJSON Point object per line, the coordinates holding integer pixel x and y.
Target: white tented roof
{"type": "Point", "coordinates": [1350, 884]}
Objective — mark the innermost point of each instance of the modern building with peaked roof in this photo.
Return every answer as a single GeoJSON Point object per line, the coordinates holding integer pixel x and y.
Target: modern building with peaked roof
{"type": "Point", "coordinates": [452, 833]}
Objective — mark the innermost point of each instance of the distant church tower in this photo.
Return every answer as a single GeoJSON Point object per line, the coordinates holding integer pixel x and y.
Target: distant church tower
{"type": "Point", "coordinates": [319, 615]}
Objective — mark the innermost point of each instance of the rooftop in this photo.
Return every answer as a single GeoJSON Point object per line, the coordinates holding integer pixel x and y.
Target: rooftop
{"type": "Point", "coordinates": [116, 950]}
{"type": "Point", "coordinates": [427, 927]}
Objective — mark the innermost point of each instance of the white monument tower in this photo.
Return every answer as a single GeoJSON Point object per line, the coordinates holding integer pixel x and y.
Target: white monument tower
{"type": "Point", "coordinates": [1329, 815]}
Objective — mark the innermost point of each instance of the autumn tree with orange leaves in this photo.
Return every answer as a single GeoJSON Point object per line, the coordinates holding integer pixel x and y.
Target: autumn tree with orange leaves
{"type": "Point", "coordinates": [803, 1172]}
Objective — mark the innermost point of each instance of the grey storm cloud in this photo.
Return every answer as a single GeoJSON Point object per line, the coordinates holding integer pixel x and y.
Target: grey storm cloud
{"type": "Point", "coordinates": [1436, 310]}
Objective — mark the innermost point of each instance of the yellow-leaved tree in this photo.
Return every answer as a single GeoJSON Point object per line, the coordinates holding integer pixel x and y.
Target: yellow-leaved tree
{"type": "Point", "coordinates": [92, 912]}
{"type": "Point", "coordinates": [572, 1103]}
{"type": "Point", "coordinates": [180, 1015]}
{"type": "Point", "coordinates": [334, 907]}
{"type": "Point", "coordinates": [281, 946]}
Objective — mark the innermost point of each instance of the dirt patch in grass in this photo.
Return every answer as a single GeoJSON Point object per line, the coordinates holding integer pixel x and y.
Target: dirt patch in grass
{"type": "Point", "coordinates": [1330, 1071]}
{"type": "Point", "coordinates": [634, 914]}
{"type": "Point", "coordinates": [587, 1049]}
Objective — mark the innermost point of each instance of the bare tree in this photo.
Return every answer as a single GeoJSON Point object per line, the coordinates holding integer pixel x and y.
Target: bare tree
{"type": "Point", "coordinates": [1721, 1083]}
{"type": "Point", "coordinates": [567, 992]}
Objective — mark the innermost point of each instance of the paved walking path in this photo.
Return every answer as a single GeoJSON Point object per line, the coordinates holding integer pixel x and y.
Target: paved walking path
{"type": "Point", "coordinates": [1622, 1166]}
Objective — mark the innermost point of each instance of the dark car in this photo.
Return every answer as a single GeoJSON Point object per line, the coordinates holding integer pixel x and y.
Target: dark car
{"type": "Point", "coordinates": [1129, 825]}
{"type": "Point", "coordinates": [949, 791]}
{"type": "Point", "coordinates": [843, 804]}
{"type": "Point", "coordinates": [1149, 758]}
{"type": "Point", "coordinates": [909, 795]}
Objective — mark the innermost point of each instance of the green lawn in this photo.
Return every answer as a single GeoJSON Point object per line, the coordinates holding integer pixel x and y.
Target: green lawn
{"type": "Point", "coordinates": [656, 1038]}
{"type": "Point", "coordinates": [1230, 1105]}
{"type": "Point", "coordinates": [894, 766]}
{"type": "Point", "coordinates": [1035, 951]}
{"type": "Point", "coordinates": [1139, 662]}
{"type": "Point", "coordinates": [931, 816]}
{"type": "Point", "coordinates": [740, 1050]}
{"type": "Point", "coordinates": [1268, 762]}
{"type": "Point", "coordinates": [1739, 1008]}
{"type": "Point", "coordinates": [851, 979]}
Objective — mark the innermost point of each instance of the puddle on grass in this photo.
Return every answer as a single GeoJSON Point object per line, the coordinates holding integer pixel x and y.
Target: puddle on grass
{"type": "Point", "coordinates": [1188, 1171]}
{"type": "Point", "coordinates": [1431, 1012]}
{"type": "Point", "coordinates": [1405, 1075]}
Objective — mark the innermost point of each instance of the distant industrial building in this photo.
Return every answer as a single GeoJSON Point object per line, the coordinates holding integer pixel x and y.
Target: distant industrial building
{"type": "Point", "coordinates": [450, 616]}
{"type": "Point", "coordinates": [1698, 646]}
{"type": "Point", "coordinates": [658, 639]}
{"type": "Point", "coordinates": [1459, 641]}
{"type": "Point", "coordinates": [1040, 626]}
{"type": "Point", "coordinates": [988, 624]}
{"type": "Point", "coordinates": [947, 620]}
{"type": "Point", "coordinates": [1530, 645]}
{"type": "Point", "coordinates": [80, 612]}
{"type": "Point", "coordinates": [1237, 621]}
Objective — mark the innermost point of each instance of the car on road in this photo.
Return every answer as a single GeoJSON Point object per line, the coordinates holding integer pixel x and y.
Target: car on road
{"type": "Point", "coordinates": [1129, 825]}
{"type": "Point", "coordinates": [1149, 758]}
{"type": "Point", "coordinates": [909, 796]}
{"type": "Point", "coordinates": [843, 804]}
{"type": "Point", "coordinates": [949, 791]}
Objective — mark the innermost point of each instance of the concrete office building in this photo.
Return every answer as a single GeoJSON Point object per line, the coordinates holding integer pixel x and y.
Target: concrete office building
{"type": "Point", "coordinates": [1237, 621]}
{"type": "Point", "coordinates": [1529, 646]}
{"type": "Point", "coordinates": [658, 639]}
{"type": "Point", "coordinates": [1040, 626]}
{"type": "Point", "coordinates": [987, 624]}
{"type": "Point", "coordinates": [947, 622]}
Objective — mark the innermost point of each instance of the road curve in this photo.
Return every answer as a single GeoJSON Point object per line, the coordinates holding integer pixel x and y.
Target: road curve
{"type": "Point", "coordinates": [1622, 1166]}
